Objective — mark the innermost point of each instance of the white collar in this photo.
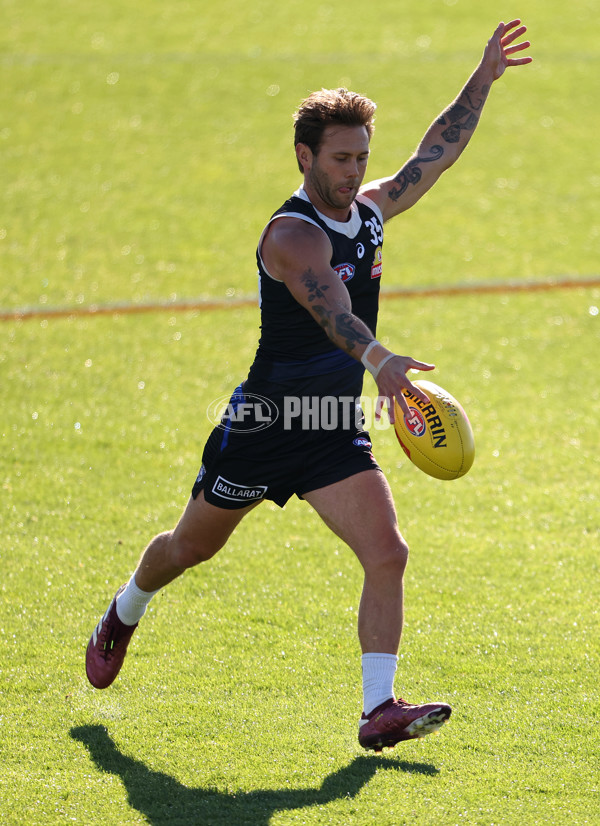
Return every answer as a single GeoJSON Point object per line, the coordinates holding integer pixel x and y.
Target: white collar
{"type": "Point", "coordinates": [348, 228]}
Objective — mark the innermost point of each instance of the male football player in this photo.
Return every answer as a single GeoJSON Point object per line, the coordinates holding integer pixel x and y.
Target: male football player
{"type": "Point", "coordinates": [320, 265]}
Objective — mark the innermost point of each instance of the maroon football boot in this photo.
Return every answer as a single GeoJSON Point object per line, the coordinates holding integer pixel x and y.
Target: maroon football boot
{"type": "Point", "coordinates": [107, 647]}
{"type": "Point", "coordinates": [397, 720]}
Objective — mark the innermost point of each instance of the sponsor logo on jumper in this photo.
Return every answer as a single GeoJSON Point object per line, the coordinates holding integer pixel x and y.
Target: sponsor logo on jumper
{"type": "Point", "coordinates": [377, 264]}
{"type": "Point", "coordinates": [427, 413]}
{"type": "Point", "coordinates": [360, 249]}
{"type": "Point", "coordinates": [247, 412]}
{"type": "Point", "coordinates": [345, 271]}
{"type": "Point", "coordinates": [238, 493]}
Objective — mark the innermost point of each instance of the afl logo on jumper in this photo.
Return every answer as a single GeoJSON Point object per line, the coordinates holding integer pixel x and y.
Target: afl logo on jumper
{"type": "Point", "coordinates": [237, 493]}
{"type": "Point", "coordinates": [345, 271]}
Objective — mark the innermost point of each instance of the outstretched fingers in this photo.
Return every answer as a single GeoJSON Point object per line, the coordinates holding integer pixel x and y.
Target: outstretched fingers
{"type": "Point", "coordinates": [509, 33]}
{"type": "Point", "coordinates": [393, 379]}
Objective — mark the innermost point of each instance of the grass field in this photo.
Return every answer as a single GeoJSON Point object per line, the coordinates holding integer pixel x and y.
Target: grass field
{"type": "Point", "coordinates": [143, 148]}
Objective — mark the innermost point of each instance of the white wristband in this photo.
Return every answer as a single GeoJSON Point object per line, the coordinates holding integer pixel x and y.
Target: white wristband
{"type": "Point", "coordinates": [381, 363]}
{"type": "Point", "coordinates": [374, 368]}
{"type": "Point", "coordinates": [365, 356]}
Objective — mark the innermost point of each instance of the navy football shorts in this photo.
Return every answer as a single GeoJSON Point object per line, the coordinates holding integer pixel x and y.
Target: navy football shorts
{"type": "Point", "coordinates": [274, 445]}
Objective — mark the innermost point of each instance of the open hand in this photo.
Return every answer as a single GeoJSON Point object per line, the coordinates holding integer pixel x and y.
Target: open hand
{"type": "Point", "coordinates": [500, 48]}
{"type": "Point", "coordinates": [392, 379]}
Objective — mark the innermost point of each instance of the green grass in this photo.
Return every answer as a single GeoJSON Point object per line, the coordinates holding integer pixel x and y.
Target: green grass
{"type": "Point", "coordinates": [239, 699]}
{"type": "Point", "coordinates": [502, 620]}
{"type": "Point", "coordinates": [143, 148]}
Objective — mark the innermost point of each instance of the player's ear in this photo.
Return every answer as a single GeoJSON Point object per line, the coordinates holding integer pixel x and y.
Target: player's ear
{"type": "Point", "coordinates": [304, 156]}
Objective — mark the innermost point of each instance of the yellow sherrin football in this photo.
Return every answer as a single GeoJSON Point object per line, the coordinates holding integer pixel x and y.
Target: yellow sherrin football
{"type": "Point", "coordinates": [436, 436]}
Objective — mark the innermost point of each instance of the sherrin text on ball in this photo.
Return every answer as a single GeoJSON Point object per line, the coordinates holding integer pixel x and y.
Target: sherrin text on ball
{"type": "Point", "coordinates": [437, 435]}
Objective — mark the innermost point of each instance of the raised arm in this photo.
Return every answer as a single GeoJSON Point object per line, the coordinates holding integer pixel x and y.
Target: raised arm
{"type": "Point", "coordinates": [449, 134]}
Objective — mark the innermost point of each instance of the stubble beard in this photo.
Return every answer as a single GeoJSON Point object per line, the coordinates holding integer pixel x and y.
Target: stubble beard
{"type": "Point", "coordinates": [328, 193]}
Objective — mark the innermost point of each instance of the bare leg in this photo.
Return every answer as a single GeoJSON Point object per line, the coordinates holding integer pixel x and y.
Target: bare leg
{"type": "Point", "coordinates": [360, 510]}
{"type": "Point", "coordinates": [202, 531]}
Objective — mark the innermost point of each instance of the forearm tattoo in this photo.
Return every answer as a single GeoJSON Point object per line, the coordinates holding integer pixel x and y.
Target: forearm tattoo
{"type": "Point", "coordinates": [342, 324]}
{"type": "Point", "coordinates": [459, 117]}
{"type": "Point", "coordinates": [324, 316]}
{"type": "Point", "coordinates": [469, 93]}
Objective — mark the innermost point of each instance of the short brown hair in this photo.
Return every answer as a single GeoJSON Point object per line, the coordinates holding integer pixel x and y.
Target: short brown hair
{"type": "Point", "coordinates": [331, 107]}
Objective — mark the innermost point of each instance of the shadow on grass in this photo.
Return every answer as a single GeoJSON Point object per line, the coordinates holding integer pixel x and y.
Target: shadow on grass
{"type": "Point", "coordinates": [163, 800]}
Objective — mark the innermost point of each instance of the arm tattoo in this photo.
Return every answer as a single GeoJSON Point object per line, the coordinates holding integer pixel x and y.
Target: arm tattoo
{"type": "Point", "coordinates": [311, 282]}
{"type": "Point", "coordinates": [344, 321]}
{"type": "Point", "coordinates": [324, 315]}
{"type": "Point", "coordinates": [344, 326]}
{"type": "Point", "coordinates": [460, 117]}
{"type": "Point", "coordinates": [470, 91]}
{"type": "Point", "coordinates": [411, 172]}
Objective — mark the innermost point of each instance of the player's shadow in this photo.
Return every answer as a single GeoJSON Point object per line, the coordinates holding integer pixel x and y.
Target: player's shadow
{"type": "Point", "coordinates": [163, 800]}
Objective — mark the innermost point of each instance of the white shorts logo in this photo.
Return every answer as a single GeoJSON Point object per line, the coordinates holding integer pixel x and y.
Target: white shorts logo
{"type": "Point", "coordinates": [238, 493]}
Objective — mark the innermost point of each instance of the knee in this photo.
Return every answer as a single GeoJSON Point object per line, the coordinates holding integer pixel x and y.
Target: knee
{"type": "Point", "coordinates": [397, 555]}
{"type": "Point", "coordinates": [186, 551]}
{"type": "Point", "coordinates": [390, 558]}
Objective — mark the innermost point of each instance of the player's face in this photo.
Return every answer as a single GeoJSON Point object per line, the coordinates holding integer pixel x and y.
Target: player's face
{"type": "Point", "coordinates": [336, 172]}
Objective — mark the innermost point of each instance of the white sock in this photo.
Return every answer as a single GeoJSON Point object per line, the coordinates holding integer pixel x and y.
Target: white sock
{"type": "Point", "coordinates": [132, 602]}
{"type": "Point", "coordinates": [378, 672]}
